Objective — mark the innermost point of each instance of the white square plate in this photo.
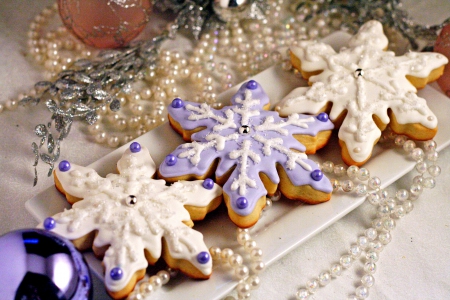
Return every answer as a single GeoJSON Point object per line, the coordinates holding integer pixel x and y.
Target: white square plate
{"type": "Point", "coordinates": [288, 223]}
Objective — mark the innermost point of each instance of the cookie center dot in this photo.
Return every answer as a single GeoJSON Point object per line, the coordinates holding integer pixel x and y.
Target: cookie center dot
{"type": "Point", "coordinates": [244, 129]}
{"type": "Point", "coordinates": [359, 72]}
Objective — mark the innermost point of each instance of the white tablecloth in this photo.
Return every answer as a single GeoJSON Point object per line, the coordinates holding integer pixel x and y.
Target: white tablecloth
{"type": "Point", "coordinates": [415, 265]}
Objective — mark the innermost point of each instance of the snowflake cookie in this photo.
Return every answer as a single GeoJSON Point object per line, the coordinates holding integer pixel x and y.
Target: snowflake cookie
{"type": "Point", "coordinates": [365, 88]}
{"type": "Point", "coordinates": [132, 220]}
{"type": "Point", "coordinates": [252, 152]}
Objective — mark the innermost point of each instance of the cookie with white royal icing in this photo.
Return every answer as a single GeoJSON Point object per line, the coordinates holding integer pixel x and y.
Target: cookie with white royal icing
{"type": "Point", "coordinates": [131, 219]}
{"type": "Point", "coordinates": [250, 151]}
{"type": "Point", "coordinates": [365, 88]}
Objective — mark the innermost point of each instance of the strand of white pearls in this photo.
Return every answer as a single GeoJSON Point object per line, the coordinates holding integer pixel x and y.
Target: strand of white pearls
{"type": "Point", "coordinates": [149, 286]}
{"type": "Point", "coordinates": [389, 210]}
{"type": "Point", "coordinates": [248, 277]}
{"type": "Point", "coordinates": [219, 60]}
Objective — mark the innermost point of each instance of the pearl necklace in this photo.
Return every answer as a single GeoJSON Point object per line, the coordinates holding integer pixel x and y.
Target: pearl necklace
{"type": "Point", "coordinates": [219, 60]}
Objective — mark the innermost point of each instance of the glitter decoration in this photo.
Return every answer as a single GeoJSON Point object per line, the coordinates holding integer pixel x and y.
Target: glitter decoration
{"type": "Point", "coordinates": [208, 183]}
{"type": "Point", "coordinates": [64, 166]}
{"type": "Point", "coordinates": [170, 160]}
{"type": "Point", "coordinates": [135, 147]}
{"type": "Point", "coordinates": [49, 223]}
{"type": "Point", "coordinates": [203, 257]}
{"type": "Point", "coordinates": [116, 273]}
{"type": "Point", "coordinates": [105, 24]}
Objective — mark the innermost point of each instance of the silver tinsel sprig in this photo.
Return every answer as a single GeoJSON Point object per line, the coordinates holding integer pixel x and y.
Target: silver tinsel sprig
{"type": "Point", "coordinates": [197, 16]}
{"type": "Point", "coordinates": [90, 85]}
{"type": "Point", "coordinates": [355, 13]}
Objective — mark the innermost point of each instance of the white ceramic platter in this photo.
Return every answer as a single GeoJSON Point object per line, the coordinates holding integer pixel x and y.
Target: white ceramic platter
{"type": "Point", "coordinates": [284, 226]}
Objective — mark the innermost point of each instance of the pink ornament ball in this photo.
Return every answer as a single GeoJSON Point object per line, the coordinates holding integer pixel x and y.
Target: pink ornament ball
{"type": "Point", "coordinates": [105, 23]}
{"type": "Point", "coordinates": [442, 46]}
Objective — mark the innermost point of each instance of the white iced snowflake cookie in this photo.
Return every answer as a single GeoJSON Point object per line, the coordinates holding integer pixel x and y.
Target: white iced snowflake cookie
{"type": "Point", "coordinates": [131, 219]}
{"type": "Point", "coordinates": [365, 88]}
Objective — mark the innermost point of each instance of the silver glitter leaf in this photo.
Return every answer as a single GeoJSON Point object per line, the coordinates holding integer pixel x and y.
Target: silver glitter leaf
{"type": "Point", "coordinates": [106, 54]}
{"type": "Point", "coordinates": [80, 77]}
{"type": "Point", "coordinates": [53, 90]}
{"type": "Point", "coordinates": [25, 100]}
{"type": "Point", "coordinates": [68, 94]}
{"type": "Point", "coordinates": [127, 88]}
{"type": "Point", "coordinates": [46, 158]}
{"type": "Point", "coordinates": [34, 148]}
{"type": "Point", "coordinates": [114, 76]}
{"type": "Point", "coordinates": [81, 108]}
{"type": "Point", "coordinates": [100, 94]}
{"type": "Point", "coordinates": [50, 170]}
{"type": "Point", "coordinates": [51, 105]}
{"type": "Point", "coordinates": [90, 90]}
{"type": "Point", "coordinates": [115, 105]}
{"type": "Point", "coordinates": [83, 64]}
{"type": "Point", "coordinates": [43, 139]}
{"type": "Point", "coordinates": [63, 83]}
{"type": "Point", "coordinates": [42, 86]}
{"type": "Point", "coordinates": [35, 177]}
{"type": "Point", "coordinates": [50, 143]}
{"type": "Point", "coordinates": [66, 73]}
{"type": "Point", "coordinates": [97, 74]}
{"type": "Point", "coordinates": [91, 117]}
{"type": "Point", "coordinates": [40, 130]}
{"type": "Point", "coordinates": [78, 87]}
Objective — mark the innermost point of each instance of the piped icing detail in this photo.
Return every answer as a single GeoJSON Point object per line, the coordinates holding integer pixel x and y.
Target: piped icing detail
{"type": "Point", "coordinates": [131, 212]}
{"type": "Point", "coordinates": [363, 80]}
{"type": "Point", "coordinates": [248, 139]}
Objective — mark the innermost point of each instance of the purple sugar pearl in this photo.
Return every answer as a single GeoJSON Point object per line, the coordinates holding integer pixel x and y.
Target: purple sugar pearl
{"type": "Point", "coordinates": [135, 147]}
{"type": "Point", "coordinates": [171, 160]}
{"type": "Point", "coordinates": [49, 223]}
{"type": "Point", "coordinates": [116, 273]}
{"type": "Point", "coordinates": [317, 175]}
{"type": "Point", "coordinates": [64, 166]}
{"type": "Point", "coordinates": [252, 85]}
{"type": "Point", "coordinates": [203, 257]}
{"type": "Point", "coordinates": [242, 202]}
{"type": "Point", "coordinates": [208, 183]}
{"type": "Point", "coordinates": [177, 103]}
{"type": "Point", "coordinates": [323, 117]}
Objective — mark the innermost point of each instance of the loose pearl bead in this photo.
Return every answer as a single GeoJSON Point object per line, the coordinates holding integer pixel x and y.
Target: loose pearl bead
{"type": "Point", "coordinates": [312, 285]}
{"type": "Point", "coordinates": [101, 137]}
{"type": "Point", "coordinates": [164, 276]}
{"type": "Point", "coordinates": [256, 254]}
{"type": "Point", "coordinates": [146, 288]}
{"type": "Point", "coordinates": [235, 260]}
{"type": "Point", "coordinates": [215, 252]}
{"type": "Point", "coordinates": [155, 281]}
{"type": "Point", "coordinates": [243, 288]}
{"type": "Point", "coordinates": [113, 141]}
{"type": "Point", "coordinates": [11, 104]}
{"type": "Point", "coordinates": [302, 294]}
{"type": "Point", "coordinates": [336, 270]}
{"type": "Point", "coordinates": [254, 281]}
{"type": "Point", "coordinates": [324, 278]}
{"type": "Point", "coordinates": [226, 253]}
{"type": "Point", "coordinates": [243, 237]}
{"type": "Point", "coordinates": [241, 272]}
{"type": "Point", "coordinates": [258, 266]}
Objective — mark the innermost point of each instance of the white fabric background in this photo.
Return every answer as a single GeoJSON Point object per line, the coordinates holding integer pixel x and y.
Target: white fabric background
{"type": "Point", "coordinates": [416, 265]}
